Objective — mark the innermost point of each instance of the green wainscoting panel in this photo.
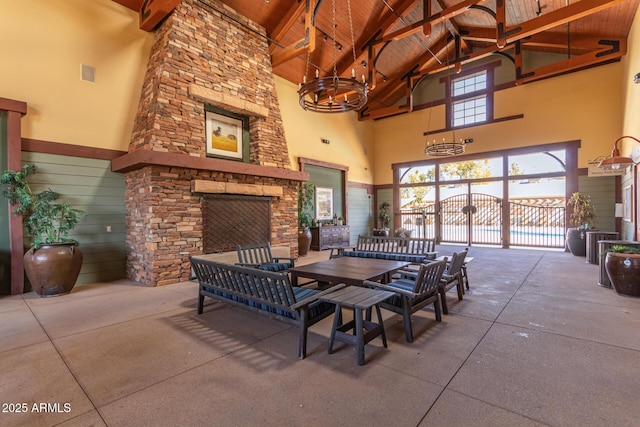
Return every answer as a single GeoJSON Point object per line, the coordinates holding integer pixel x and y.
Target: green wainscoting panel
{"type": "Point", "coordinates": [361, 213]}
{"type": "Point", "coordinates": [89, 184]}
{"type": "Point", "coordinates": [602, 192]}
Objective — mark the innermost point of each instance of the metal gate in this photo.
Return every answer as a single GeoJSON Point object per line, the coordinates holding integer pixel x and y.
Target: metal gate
{"type": "Point", "coordinates": [471, 218]}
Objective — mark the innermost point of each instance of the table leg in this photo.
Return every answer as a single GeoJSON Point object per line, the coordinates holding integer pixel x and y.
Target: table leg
{"type": "Point", "coordinates": [381, 325]}
{"type": "Point", "coordinates": [337, 321]}
{"type": "Point", "coordinates": [464, 276]}
{"type": "Point", "coordinates": [359, 326]}
{"type": "Point", "coordinates": [294, 278]}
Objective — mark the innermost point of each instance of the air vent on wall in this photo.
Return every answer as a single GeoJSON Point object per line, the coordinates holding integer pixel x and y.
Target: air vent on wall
{"type": "Point", "coordinates": [87, 73]}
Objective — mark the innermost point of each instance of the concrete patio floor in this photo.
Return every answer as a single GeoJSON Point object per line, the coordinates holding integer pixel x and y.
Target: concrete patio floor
{"type": "Point", "coordinates": [534, 342]}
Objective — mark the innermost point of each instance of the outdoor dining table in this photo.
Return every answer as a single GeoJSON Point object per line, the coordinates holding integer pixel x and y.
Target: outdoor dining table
{"type": "Point", "coordinates": [347, 270]}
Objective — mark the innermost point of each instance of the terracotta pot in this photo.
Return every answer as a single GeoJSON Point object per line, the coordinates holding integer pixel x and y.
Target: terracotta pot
{"type": "Point", "coordinates": [624, 273]}
{"type": "Point", "coordinates": [304, 241]}
{"type": "Point", "coordinates": [53, 269]}
{"type": "Point", "coordinates": [577, 241]}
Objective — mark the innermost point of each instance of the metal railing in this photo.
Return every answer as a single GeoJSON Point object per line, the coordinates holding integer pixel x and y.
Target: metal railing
{"type": "Point", "coordinates": [538, 226]}
{"type": "Point", "coordinates": [530, 225]}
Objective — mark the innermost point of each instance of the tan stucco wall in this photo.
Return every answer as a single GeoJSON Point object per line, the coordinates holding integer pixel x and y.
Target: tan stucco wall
{"type": "Point", "coordinates": [631, 90]}
{"type": "Point", "coordinates": [43, 44]}
{"type": "Point", "coordinates": [582, 106]}
{"type": "Point", "coordinates": [594, 106]}
{"type": "Point", "coordinates": [351, 140]}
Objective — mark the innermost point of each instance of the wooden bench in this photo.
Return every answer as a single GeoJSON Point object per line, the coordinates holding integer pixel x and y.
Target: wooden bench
{"type": "Point", "coordinates": [263, 292]}
{"type": "Point", "coordinates": [408, 249]}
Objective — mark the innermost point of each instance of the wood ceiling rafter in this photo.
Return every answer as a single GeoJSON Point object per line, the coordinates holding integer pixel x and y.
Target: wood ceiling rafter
{"type": "Point", "coordinates": [396, 40]}
{"type": "Point", "coordinates": [365, 42]}
{"type": "Point", "coordinates": [305, 45]}
{"type": "Point", "coordinates": [606, 51]}
{"type": "Point", "coordinates": [551, 19]}
{"type": "Point", "coordinates": [286, 23]}
{"type": "Point", "coordinates": [431, 19]}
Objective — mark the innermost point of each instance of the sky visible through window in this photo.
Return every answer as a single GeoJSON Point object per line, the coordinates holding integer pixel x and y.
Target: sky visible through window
{"type": "Point", "coordinates": [519, 165]}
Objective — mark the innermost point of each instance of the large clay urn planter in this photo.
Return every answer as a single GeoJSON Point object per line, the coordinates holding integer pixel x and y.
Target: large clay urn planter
{"type": "Point", "coordinates": [53, 269]}
{"type": "Point", "coordinates": [577, 241]}
{"type": "Point", "coordinates": [624, 273]}
{"type": "Point", "coordinates": [304, 241]}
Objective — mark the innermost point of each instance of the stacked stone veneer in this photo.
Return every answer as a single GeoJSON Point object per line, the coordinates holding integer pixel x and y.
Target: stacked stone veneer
{"type": "Point", "coordinates": [200, 57]}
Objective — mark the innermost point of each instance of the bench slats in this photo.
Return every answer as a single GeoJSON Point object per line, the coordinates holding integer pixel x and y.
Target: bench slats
{"type": "Point", "coordinates": [263, 292]}
{"type": "Point", "coordinates": [401, 248]}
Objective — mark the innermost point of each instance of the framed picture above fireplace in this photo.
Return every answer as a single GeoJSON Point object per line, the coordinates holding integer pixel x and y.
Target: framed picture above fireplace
{"type": "Point", "coordinates": [227, 134]}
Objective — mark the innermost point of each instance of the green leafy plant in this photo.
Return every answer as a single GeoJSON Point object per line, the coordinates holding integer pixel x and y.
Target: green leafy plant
{"type": "Point", "coordinates": [306, 192]}
{"type": "Point", "coordinates": [384, 214]}
{"type": "Point", "coordinates": [620, 249]}
{"type": "Point", "coordinates": [583, 210]}
{"type": "Point", "coordinates": [46, 222]}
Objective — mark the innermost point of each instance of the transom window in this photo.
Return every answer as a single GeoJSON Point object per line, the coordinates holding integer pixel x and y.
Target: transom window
{"type": "Point", "coordinates": [468, 84]}
{"type": "Point", "coordinates": [468, 106]}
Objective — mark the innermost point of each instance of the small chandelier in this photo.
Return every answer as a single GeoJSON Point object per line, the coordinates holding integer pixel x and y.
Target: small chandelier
{"type": "Point", "coordinates": [334, 94]}
{"type": "Point", "coordinates": [445, 148]}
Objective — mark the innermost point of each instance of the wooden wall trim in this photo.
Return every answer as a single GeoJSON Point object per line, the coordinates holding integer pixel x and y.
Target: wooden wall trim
{"type": "Point", "coordinates": [48, 147]}
{"type": "Point", "coordinates": [369, 187]}
{"type": "Point", "coordinates": [484, 154]}
{"type": "Point", "coordinates": [141, 158]}
{"type": "Point", "coordinates": [305, 161]}
{"type": "Point", "coordinates": [13, 105]}
{"type": "Point", "coordinates": [14, 162]}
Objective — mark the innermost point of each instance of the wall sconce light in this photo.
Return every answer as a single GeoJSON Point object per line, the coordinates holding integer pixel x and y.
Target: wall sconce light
{"type": "Point", "coordinates": [325, 141]}
{"type": "Point", "coordinates": [636, 78]}
{"type": "Point", "coordinates": [619, 212]}
{"type": "Point", "coordinates": [616, 161]}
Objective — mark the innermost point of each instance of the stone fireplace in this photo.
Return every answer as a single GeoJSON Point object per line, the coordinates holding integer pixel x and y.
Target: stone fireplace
{"type": "Point", "coordinates": [202, 58]}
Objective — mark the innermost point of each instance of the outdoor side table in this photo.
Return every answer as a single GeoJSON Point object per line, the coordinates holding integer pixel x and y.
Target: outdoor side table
{"type": "Point", "coordinates": [361, 300]}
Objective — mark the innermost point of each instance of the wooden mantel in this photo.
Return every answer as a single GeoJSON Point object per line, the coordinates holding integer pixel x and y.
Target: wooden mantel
{"type": "Point", "coordinates": [141, 158]}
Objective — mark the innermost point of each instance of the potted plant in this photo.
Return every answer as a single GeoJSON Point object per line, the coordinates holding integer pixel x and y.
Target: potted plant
{"type": "Point", "coordinates": [305, 219]}
{"type": "Point", "coordinates": [53, 262]}
{"type": "Point", "coordinates": [340, 220]}
{"type": "Point", "coordinates": [384, 215]}
{"type": "Point", "coordinates": [582, 215]}
{"type": "Point", "coordinates": [622, 264]}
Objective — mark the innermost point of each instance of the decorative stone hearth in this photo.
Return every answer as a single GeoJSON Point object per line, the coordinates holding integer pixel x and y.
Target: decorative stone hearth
{"type": "Point", "coordinates": [201, 58]}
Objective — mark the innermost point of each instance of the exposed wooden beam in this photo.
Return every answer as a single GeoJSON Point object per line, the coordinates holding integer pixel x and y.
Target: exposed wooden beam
{"type": "Point", "coordinates": [555, 18]}
{"type": "Point", "coordinates": [445, 14]}
{"type": "Point", "coordinates": [154, 11]}
{"type": "Point", "coordinates": [307, 44]}
{"type": "Point", "coordinates": [286, 22]}
{"type": "Point", "coordinates": [366, 41]}
{"type": "Point", "coordinates": [611, 50]}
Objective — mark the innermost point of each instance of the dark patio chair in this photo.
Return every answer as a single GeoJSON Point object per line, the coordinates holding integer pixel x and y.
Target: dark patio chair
{"type": "Point", "coordinates": [453, 277]}
{"type": "Point", "coordinates": [414, 294]}
{"type": "Point", "coordinates": [260, 256]}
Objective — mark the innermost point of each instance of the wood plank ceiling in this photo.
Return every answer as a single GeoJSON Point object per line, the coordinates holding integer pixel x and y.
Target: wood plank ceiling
{"type": "Point", "coordinates": [397, 42]}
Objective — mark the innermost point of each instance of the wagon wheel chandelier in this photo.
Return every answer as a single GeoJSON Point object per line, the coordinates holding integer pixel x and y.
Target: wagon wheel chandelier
{"type": "Point", "coordinates": [445, 148]}
{"type": "Point", "coordinates": [334, 94]}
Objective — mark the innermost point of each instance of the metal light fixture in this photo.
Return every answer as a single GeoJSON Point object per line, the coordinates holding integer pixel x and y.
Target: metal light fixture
{"type": "Point", "coordinates": [445, 148]}
{"type": "Point", "coordinates": [616, 161]}
{"type": "Point", "coordinates": [334, 94]}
